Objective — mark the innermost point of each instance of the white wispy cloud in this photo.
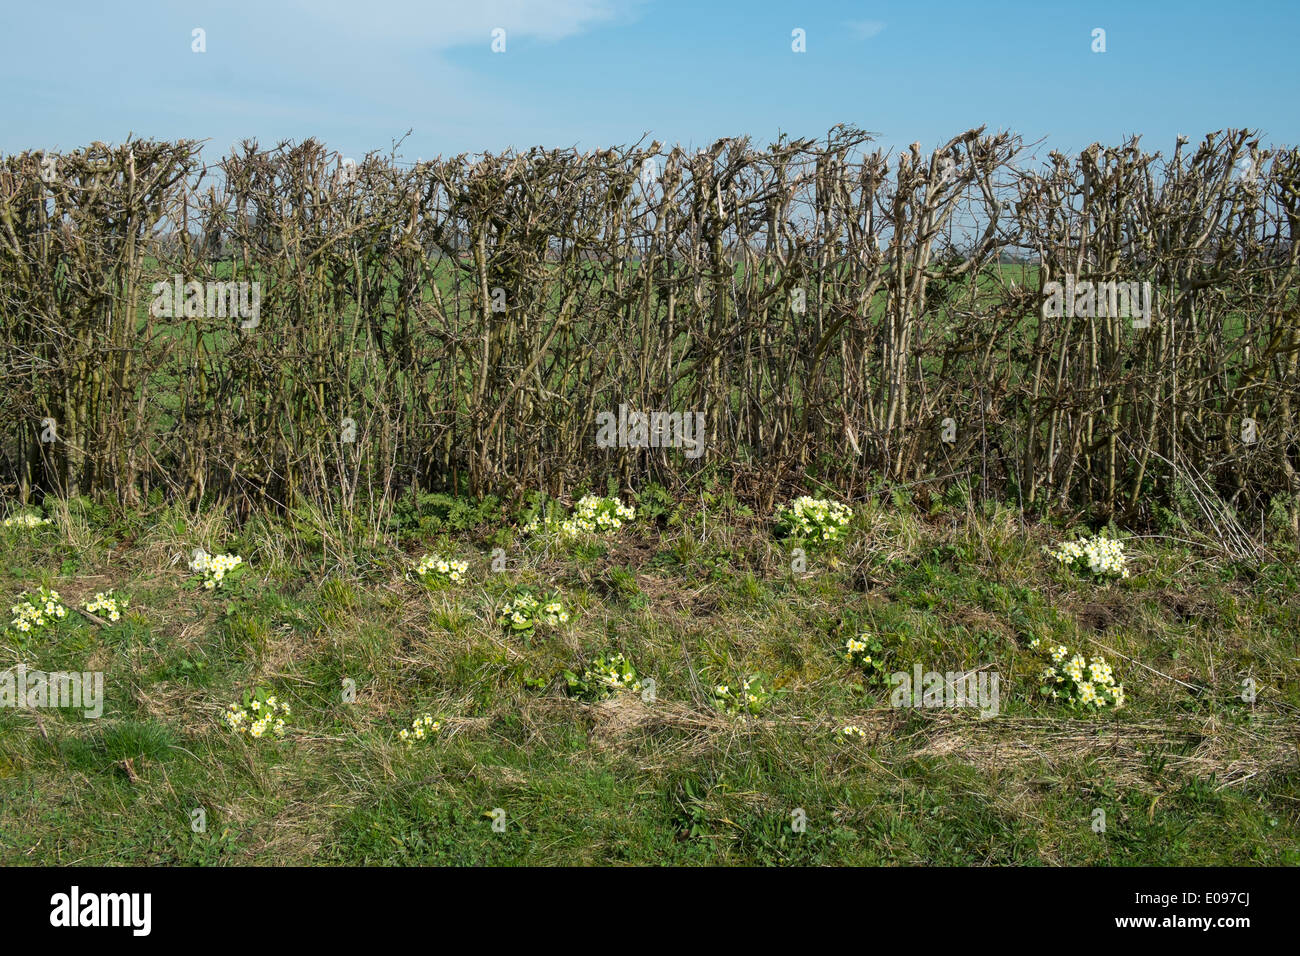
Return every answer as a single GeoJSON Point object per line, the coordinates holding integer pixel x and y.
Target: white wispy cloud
{"type": "Point", "coordinates": [865, 29]}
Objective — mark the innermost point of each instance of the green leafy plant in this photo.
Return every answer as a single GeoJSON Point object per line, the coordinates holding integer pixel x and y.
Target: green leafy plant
{"type": "Point", "coordinates": [592, 515]}
{"type": "Point", "coordinates": [217, 569]}
{"type": "Point", "coordinates": [748, 695]}
{"type": "Point", "coordinates": [106, 605]}
{"type": "Point", "coordinates": [261, 713]}
{"type": "Point", "coordinates": [605, 676]}
{"type": "Point", "coordinates": [816, 520]}
{"type": "Point", "coordinates": [866, 653]}
{"type": "Point", "coordinates": [1096, 555]}
{"type": "Point", "coordinates": [422, 728]}
{"type": "Point", "coordinates": [1088, 684]}
{"type": "Point", "coordinates": [654, 502]}
{"type": "Point", "coordinates": [37, 611]}
{"type": "Point", "coordinates": [423, 513]}
{"type": "Point", "coordinates": [25, 521]}
{"type": "Point", "coordinates": [525, 611]}
{"type": "Point", "coordinates": [439, 569]}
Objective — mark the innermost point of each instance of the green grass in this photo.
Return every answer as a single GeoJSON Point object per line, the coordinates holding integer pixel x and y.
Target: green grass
{"type": "Point", "coordinates": [1187, 773]}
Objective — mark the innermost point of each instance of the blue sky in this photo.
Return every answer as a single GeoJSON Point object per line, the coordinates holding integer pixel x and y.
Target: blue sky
{"type": "Point", "coordinates": [358, 74]}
